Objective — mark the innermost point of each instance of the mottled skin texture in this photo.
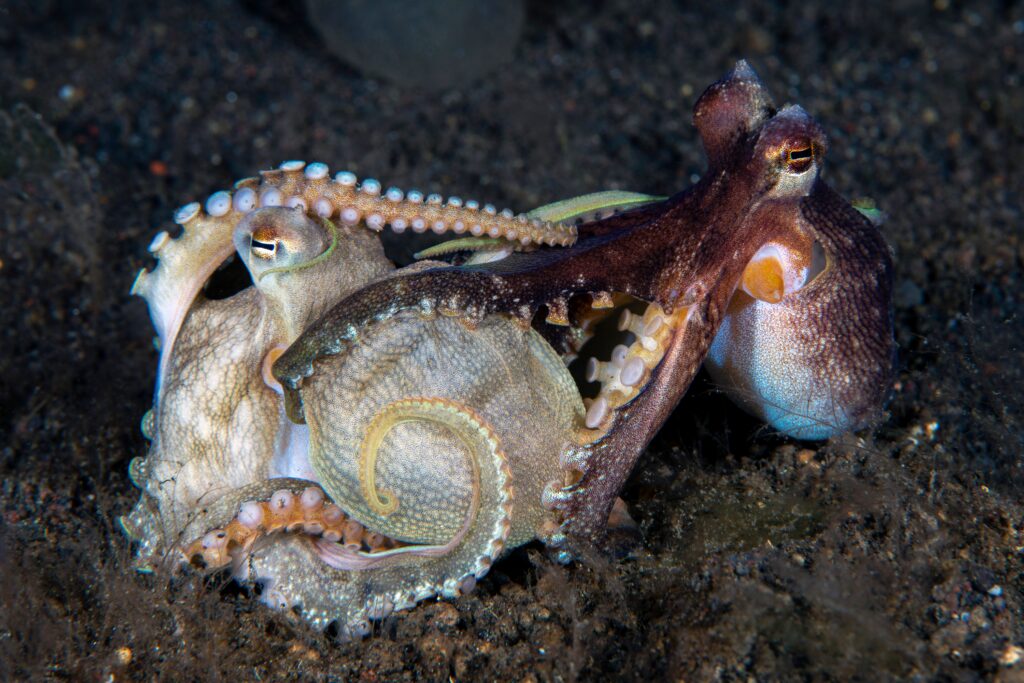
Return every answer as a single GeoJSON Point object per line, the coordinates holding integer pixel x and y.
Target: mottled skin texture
{"type": "Point", "coordinates": [496, 369]}
{"type": "Point", "coordinates": [431, 404]}
{"type": "Point", "coordinates": [217, 425]}
{"type": "Point", "coordinates": [689, 251]}
{"type": "Point", "coordinates": [221, 437]}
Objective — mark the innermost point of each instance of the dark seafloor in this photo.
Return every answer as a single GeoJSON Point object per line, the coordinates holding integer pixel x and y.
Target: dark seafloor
{"type": "Point", "coordinates": [895, 553]}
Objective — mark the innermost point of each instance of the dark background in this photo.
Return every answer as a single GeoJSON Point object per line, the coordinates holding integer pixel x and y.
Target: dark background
{"type": "Point", "coordinates": [893, 553]}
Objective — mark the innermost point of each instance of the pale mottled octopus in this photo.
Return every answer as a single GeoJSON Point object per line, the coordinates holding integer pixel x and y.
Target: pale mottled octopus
{"type": "Point", "coordinates": [357, 438]}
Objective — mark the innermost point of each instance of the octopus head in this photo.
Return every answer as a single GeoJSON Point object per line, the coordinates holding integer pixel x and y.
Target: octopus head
{"type": "Point", "coordinates": [807, 342]}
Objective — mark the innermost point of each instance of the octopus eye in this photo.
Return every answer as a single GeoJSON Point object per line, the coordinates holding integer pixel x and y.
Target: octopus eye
{"type": "Point", "coordinates": [263, 249]}
{"type": "Point", "coordinates": [799, 158]}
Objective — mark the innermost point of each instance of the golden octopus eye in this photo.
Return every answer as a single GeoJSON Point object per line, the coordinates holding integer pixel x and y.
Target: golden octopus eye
{"type": "Point", "coordinates": [263, 244]}
{"type": "Point", "coordinates": [799, 158]}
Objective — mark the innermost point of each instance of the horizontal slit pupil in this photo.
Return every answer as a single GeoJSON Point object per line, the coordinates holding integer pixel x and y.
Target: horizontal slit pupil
{"type": "Point", "coordinates": [800, 154]}
{"type": "Point", "coordinates": [267, 246]}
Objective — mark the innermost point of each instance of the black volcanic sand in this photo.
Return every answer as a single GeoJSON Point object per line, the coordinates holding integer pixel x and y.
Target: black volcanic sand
{"type": "Point", "coordinates": [893, 553]}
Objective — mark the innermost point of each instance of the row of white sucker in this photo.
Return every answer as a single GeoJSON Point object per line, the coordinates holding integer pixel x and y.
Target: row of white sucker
{"type": "Point", "coordinates": [185, 262]}
{"type": "Point", "coordinates": [624, 375]}
{"type": "Point", "coordinates": [308, 512]}
{"type": "Point", "coordinates": [297, 184]}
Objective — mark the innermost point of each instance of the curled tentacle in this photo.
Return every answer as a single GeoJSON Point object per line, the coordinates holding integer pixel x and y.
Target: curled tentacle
{"type": "Point", "coordinates": [459, 420]}
{"type": "Point", "coordinates": [364, 574]}
{"type": "Point", "coordinates": [428, 479]}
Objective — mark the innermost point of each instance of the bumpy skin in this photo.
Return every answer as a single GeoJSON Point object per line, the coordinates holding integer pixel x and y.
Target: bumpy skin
{"type": "Point", "coordinates": [431, 421]}
{"type": "Point", "coordinates": [455, 449]}
{"type": "Point", "coordinates": [687, 255]}
{"type": "Point", "coordinates": [217, 425]}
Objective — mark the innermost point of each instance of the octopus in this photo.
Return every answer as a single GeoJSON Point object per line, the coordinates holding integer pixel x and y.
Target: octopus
{"type": "Point", "coordinates": [355, 438]}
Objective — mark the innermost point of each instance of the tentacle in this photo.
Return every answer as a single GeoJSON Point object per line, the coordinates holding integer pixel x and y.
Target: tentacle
{"type": "Point", "coordinates": [287, 510]}
{"type": "Point", "coordinates": [352, 201]}
{"type": "Point", "coordinates": [185, 263]}
{"type": "Point", "coordinates": [626, 373]}
{"type": "Point", "coordinates": [622, 379]}
{"type": "Point", "coordinates": [367, 575]}
{"type": "Point", "coordinates": [142, 524]}
{"type": "Point", "coordinates": [183, 266]}
{"type": "Point", "coordinates": [492, 494]}
{"type": "Point", "coordinates": [582, 209]}
{"type": "Point", "coordinates": [408, 469]}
